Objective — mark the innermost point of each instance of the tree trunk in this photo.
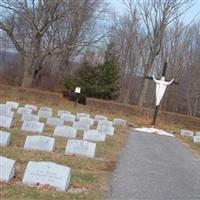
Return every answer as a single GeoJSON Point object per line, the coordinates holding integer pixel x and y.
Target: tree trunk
{"type": "Point", "coordinates": [27, 79]}
{"type": "Point", "coordinates": [143, 93]}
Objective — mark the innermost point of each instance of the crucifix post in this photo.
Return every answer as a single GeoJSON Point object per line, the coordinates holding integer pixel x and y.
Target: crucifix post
{"type": "Point", "coordinates": [161, 86]}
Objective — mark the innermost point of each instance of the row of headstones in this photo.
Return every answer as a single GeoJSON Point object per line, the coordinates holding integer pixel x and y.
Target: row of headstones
{"type": "Point", "coordinates": [43, 143]}
{"type": "Point", "coordinates": [188, 133]}
{"type": "Point", "coordinates": [43, 173]}
{"type": "Point", "coordinates": [6, 116]}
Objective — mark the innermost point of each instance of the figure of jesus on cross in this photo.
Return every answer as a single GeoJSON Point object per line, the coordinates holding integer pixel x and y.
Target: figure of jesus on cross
{"type": "Point", "coordinates": [161, 86]}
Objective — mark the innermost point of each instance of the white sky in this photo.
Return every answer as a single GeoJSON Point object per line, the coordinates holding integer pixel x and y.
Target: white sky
{"type": "Point", "coordinates": [117, 5]}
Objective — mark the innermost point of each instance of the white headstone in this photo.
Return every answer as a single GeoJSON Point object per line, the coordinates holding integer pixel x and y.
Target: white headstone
{"type": "Point", "coordinates": [4, 138]}
{"type": "Point", "coordinates": [50, 173]}
{"type": "Point", "coordinates": [119, 122]}
{"type": "Point", "coordinates": [5, 107]}
{"type": "Point", "coordinates": [87, 120]}
{"type": "Point", "coordinates": [32, 107]}
{"type": "Point", "coordinates": [100, 117]}
{"type": "Point", "coordinates": [94, 135]}
{"type": "Point", "coordinates": [187, 133]}
{"type": "Point", "coordinates": [79, 115]}
{"type": "Point", "coordinates": [45, 114]}
{"type": "Point", "coordinates": [23, 110]}
{"type": "Point", "coordinates": [33, 126]}
{"type": "Point", "coordinates": [40, 143]}
{"type": "Point", "coordinates": [30, 117]}
{"type": "Point", "coordinates": [12, 104]}
{"type": "Point", "coordinates": [5, 122]}
{"type": "Point", "coordinates": [81, 126]}
{"type": "Point", "coordinates": [60, 112]}
{"type": "Point", "coordinates": [80, 148]}
{"type": "Point", "coordinates": [6, 113]}
{"type": "Point", "coordinates": [7, 169]}
{"type": "Point", "coordinates": [105, 122]}
{"type": "Point", "coordinates": [107, 130]}
{"type": "Point", "coordinates": [55, 121]}
{"type": "Point", "coordinates": [65, 131]}
{"type": "Point", "coordinates": [68, 117]}
{"type": "Point", "coordinates": [197, 133]}
{"type": "Point", "coordinates": [196, 139]}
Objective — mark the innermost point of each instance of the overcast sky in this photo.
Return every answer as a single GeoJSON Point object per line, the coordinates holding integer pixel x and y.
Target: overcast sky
{"type": "Point", "coordinates": [187, 17]}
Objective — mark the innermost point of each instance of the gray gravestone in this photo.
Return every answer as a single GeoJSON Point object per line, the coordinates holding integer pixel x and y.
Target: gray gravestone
{"type": "Point", "coordinates": [53, 121]}
{"type": "Point", "coordinates": [87, 120]}
{"type": "Point", "coordinates": [80, 148]}
{"type": "Point", "coordinates": [196, 139]}
{"type": "Point", "coordinates": [13, 104]}
{"type": "Point", "coordinates": [46, 109]}
{"type": "Point", "coordinates": [105, 122]}
{"type": "Point", "coordinates": [7, 169]}
{"type": "Point", "coordinates": [4, 138]}
{"type": "Point", "coordinates": [81, 126]}
{"type": "Point", "coordinates": [119, 122]}
{"type": "Point", "coordinates": [32, 107]}
{"type": "Point", "coordinates": [5, 122]}
{"type": "Point", "coordinates": [22, 110]}
{"type": "Point", "coordinates": [33, 126]}
{"type": "Point", "coordinates": [68, 117]}
{"type": "Point", "coordinates": [45, 114]}
{"type": "Point", "coordinates": [6, 113]}
{"type": "Point", "coordinates": [30, 117]}
{"type": "Point", "coordinates": [94, 135]}
{"type": "Point", "coordinates": [187, 133]}
{"type": "Point", "coordinates": [50, 173]}
{"type": "Point", "coordinates": [100, 117]}
{"type": "Point", "coordinates": [79, 115]}
{"type": "Point", "coordinates": [104, 129]}
{"type": "Point", "coordinates": [60, 112]}
{"type": "Point", "coordinates": [40, 143]}
{"type": "Point", "coordinates": [65, 131]}
{"type": "Point", "coordinates": [197, 133]}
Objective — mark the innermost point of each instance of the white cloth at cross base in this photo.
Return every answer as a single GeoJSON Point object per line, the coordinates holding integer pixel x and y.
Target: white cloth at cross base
{"type": "Point", "coordinates": [161, 86]}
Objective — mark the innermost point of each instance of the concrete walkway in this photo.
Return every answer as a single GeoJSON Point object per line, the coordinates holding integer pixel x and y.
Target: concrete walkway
{"type": "Point", "coordinates": [154, 167]}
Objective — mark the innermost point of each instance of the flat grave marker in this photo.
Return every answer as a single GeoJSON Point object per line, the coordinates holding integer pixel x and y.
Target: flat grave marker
{"type": "Point", "coordinates": [100, 117]}
{"type": "Point", "coordinates": [33, 126]}
{"type": "Point", "coordinates": [53, 121]}
{"type": "Point", "coordinates": [32, 107]}
{"type": "Point", "coordinates": [119, 122]}
{"type": "Point", "coordinates": [187, 133]}
{"type": "Point", "coordinates": [12, 104]}
{"type": "Point", "coordinates": [107, 130]}
{"type": "Point", "coordinates": [40, 143]}
{"type": "Point", "coordinates": [68, 117]}
{"type": "Point", "coordinates": [50, 173]}
{"type": "Point", "coordinates": [30, 117]}
{"type": "Point", "coordinates": [23, 110]}
{"type": "Point", "coordinates": [105, 122]}
{"type": "Point", "coordinates": [65, 131]}
{"type": "Point", "coordinates": [94, 135]}
{"type": "Point", "coordinates": [81, 126]}
{"type": "Point", "coordinates": [196, 139]}
{"type": "Point", "coordinates": [5, 122]}
{"type": "Point", "coordinates": [79, 115]}
{"type": "Point", "coordinates": [7, 169]}
{"type": "Point", "coordinates": [4, 138]}
{"type": "Point", "coordinates": [87, 120]}
{"type": "Point", "coordinates": [45, 113]}
{"type": "Point", "coordinates": [60, 112]}
{"type": "Point", "coordinates": [80, 148]}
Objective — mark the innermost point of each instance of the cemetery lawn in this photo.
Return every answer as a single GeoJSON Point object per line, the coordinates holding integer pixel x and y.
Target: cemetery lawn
{"type": "Point", "coordinates": [90, 177]}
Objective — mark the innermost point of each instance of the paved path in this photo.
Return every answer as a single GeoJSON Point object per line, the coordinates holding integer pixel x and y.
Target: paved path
{"type": "Point", "coordinates": [154, 167]}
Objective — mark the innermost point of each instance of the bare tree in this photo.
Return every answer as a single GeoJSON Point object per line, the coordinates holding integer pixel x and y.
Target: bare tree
{"type": "Point", "coordinates": [26, 23]}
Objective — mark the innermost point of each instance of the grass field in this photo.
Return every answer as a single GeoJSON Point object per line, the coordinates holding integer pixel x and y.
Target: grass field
{"type": "Point", "coordinates": [90, 177]}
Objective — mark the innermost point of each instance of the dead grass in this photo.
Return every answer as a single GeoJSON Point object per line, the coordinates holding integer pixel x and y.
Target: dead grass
{"type": "Point", "coordinates": [89, 175]}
